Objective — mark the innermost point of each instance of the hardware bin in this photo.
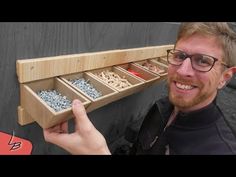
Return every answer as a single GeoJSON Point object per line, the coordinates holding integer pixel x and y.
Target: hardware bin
{"type": "Point", "coordinates": [145, 75]}
{"type": "Point", "coordinates": [136, 84]}
{"type": "Point", "coordinates": [155, 63]}
{"type": "Point", "coordinates": [38, 109]}
{"type": "Point", "coordinates": [108, 93]}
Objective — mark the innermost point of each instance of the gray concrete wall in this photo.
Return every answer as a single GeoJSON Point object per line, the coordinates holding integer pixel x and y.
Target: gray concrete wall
{"type": "Point", "coordinates": [33, 40]}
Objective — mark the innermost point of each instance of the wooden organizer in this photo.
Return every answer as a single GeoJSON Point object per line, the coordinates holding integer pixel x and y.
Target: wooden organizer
{"type": "Point", "coordinates": [54, 72]}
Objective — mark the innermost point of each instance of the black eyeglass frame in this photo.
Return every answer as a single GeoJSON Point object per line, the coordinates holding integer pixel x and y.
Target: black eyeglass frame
{"type": "Point", "coordinates": [190, 56]}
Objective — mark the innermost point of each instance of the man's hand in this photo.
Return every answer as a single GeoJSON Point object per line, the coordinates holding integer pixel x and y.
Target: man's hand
{"type": "Point", "coordinates": [85, 140]}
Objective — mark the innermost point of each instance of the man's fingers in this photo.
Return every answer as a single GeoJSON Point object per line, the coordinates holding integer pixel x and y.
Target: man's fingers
{"type": "Point", "coordinates": [64, 127]}
{"type": "Point", "coordinates": [48, 134]}
{"type": "Point", "coordinates": [81, 119]}
{"type": "Point", "coordinates": [55, 137]}
{"type": "Point", "coordinates": [56, 129]}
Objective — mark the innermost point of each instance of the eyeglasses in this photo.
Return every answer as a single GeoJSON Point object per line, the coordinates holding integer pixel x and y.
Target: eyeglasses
{"type": "Point", "coordinates": [200, 62]}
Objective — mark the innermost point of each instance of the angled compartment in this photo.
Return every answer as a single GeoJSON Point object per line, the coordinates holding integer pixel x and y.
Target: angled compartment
{"type": "Point", "coordinates": [107, 96]}
{"type": "Point", "coordinates": [140, 73]}
{"type": "Point", "coordinates": [117, 76]}
{"type": "Point", "coordinates": [39, 110]}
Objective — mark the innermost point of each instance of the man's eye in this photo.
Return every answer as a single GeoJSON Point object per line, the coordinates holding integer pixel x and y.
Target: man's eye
{"type": "Point", "coordinates": [203, 61]}
{"type": "Point", "coordinates": [180, 56]}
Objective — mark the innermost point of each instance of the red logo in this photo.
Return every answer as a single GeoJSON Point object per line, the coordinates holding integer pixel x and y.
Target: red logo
{"type": "Point", "coordinates": [12, 145]}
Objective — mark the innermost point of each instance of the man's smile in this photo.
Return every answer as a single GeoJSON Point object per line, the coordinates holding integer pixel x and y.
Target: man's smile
{"type": "Point", "coordinates": [183, 86]}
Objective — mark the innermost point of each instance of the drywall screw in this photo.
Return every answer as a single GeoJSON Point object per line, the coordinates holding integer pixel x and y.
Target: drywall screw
{"type": "Point", "coordinates": [54, 99]}
{"type": "Point", "coordinates": [86, 87]}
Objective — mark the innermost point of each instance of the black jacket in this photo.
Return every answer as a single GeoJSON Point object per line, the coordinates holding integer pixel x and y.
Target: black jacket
{"type": "Point", "coordinates": [205, 131]}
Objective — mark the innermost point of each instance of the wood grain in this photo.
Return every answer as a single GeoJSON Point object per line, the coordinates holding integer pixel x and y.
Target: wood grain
{"type": "Point", "coordinates": [42, 68]}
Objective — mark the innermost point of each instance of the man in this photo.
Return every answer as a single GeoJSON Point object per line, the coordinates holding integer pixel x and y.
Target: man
{"type": "Point", "coordinates": [189, 121]}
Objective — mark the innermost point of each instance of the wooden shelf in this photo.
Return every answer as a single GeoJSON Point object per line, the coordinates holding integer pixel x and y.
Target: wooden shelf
{"type": "Point", "coordinates": [53, 72]}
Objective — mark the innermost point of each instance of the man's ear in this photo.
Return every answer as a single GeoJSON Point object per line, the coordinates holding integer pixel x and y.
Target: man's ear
{"type": "Point", "coordinates": [226, 77]}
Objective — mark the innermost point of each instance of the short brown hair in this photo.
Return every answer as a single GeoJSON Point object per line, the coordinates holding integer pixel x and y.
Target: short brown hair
{"type": "Point", "coordinates": [225, 35]}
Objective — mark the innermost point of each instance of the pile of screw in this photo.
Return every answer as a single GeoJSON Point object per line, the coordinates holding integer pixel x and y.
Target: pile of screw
{"type": "Point", "coordinates": [114, 79]}
{"type": "Point", "coordinates": [86, 87]}
{"type": "Point", "coordinates": [54, 99]}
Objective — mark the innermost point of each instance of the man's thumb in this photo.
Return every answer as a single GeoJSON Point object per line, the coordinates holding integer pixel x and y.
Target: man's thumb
{"type": "Point", "coordinates": [81, 118]}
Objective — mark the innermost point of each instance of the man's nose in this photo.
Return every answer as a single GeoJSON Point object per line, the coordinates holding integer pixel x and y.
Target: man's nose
{"type": "Point", "coordinates": [185, 68]}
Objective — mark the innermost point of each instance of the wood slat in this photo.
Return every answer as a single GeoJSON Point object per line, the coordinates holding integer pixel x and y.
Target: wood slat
{"type": "Point", "coordinates": [23, 117]}
{"type": "Point", "coordinates": [47, 67]}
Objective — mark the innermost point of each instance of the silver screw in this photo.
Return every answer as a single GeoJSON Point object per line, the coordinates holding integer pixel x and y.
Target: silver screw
{"type": "Point", "coordinates": [54, 99]}
{"type": "Point", "coordinates": [86, 87]}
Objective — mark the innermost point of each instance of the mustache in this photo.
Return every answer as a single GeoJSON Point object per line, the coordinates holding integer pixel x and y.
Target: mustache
{"type": "Point", "coordinates": [186, 81]}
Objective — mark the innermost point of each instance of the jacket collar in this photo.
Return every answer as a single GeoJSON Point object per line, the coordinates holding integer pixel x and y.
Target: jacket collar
{"type": "Point", "coordinates": [197, 119]}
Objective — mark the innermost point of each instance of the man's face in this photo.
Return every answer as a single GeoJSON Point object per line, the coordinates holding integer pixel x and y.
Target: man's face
{"type": "Point", "coordinates": [190, 89]}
